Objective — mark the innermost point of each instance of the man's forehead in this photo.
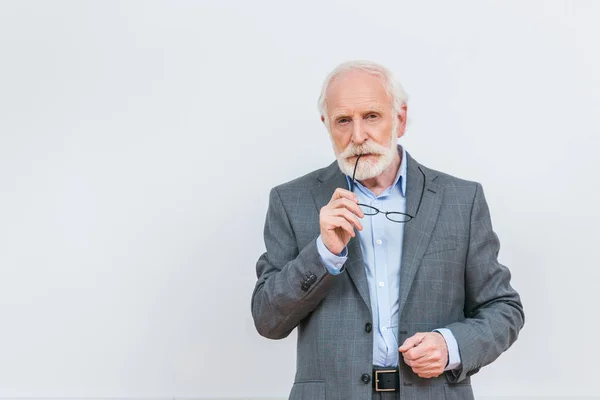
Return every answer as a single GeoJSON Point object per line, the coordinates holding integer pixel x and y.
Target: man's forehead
{"type": "Point", "coordinates": [354, 88]}
{"type": "Point", "coordinates": [366, 106]}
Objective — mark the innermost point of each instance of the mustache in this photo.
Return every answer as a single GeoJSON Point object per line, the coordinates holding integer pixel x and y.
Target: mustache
{"type": "Point", "coordinates": [368, 148]}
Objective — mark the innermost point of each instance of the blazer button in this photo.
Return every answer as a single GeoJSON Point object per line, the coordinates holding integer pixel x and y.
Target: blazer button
{"type": "Point", "coordinates": [368, 327]}
{"type": "Point", "coordinates": [366, 378]}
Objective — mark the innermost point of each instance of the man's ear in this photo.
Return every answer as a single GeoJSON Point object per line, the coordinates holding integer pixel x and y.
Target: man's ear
{"type": "Point", "coordinates": [402, 116]}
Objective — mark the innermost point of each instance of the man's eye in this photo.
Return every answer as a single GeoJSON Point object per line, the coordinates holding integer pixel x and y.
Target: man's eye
{"type": "Point", "coordinates": [372, 116]}
{"type": "Point", "coordinates": [343, 120]}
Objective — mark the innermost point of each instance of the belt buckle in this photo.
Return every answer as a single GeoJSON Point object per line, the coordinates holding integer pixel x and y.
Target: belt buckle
{"type": "Point", "coordinates": [377, 372]}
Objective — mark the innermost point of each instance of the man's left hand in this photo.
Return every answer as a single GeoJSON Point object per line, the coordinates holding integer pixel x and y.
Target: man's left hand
{"type": "Point", "coordinates": [426, 353]}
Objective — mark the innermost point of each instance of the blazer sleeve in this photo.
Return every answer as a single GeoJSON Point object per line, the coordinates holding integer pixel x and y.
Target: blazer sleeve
{"type": "Point", "coordinates": [291, 281]}
{"type": "Point", "coordinates": [493, 310]}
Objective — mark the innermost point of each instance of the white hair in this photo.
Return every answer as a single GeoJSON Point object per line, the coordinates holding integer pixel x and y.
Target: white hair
{"type": "Point", "coordinates": [392, 87]}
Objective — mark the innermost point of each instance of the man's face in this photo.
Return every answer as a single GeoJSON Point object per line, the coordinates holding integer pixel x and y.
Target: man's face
{"type": "Point", "coordinates": [361, 121]}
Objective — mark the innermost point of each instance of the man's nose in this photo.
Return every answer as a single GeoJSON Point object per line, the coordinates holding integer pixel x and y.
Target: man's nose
{"type": "Point", "coordinates": [358, 132]}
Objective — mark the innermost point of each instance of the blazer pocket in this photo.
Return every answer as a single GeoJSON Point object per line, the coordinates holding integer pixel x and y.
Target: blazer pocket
{"type": "Point", "coordinates": [308, 390]}
{"type": "Point", "coordinates": [438, 246]}
{"type": "Point", "coordinates": [458, 392]}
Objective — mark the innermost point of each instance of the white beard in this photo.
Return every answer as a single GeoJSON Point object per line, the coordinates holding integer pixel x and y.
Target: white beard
{"type": "Point", "coordinates": [366, 168]}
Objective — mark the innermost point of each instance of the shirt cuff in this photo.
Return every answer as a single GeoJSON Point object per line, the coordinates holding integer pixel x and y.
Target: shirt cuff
{"type": "Point", "coordinates": [454, 361]}
{"type": "Point", "coordinates": [334, 264]}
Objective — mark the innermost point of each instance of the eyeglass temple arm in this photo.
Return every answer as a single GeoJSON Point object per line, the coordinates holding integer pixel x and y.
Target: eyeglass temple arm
{"type": "Point", "coordinates": [422, 190]}
{"type": "Point", "coordinates": [354, 173]}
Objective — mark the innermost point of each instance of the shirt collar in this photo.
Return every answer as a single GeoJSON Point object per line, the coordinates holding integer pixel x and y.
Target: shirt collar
{"type": "Point", "coordinates": [400, 176]}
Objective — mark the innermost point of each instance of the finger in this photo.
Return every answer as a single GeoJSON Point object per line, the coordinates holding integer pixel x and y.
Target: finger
{"type": "Point", "coordinates": [431, 361]}
{"type": "Point", "coordinates": [349, 216]}
{"type": "Point", "coordinates": [413, 361]}
{"type": "Point", "coordinates": [349, 204]}
{"type": "Point", "coordinates": [343, 193]}
{"type": "Point", "coordinates": [345, 204]}
{"type": "Point", "coordinates": [344, 213]}
{"type": "Point", "coordinates": [416, 353]}
{"type": "Point", "coordinates": [331, 223]}
{"type": "Point", "coordinates": [421, 362]}
{"type": "Point", "coordinates": [427, 375]}
{"type": "Point", "coordinates": [411, 342]}
{"type": "Point", "coordinates": [428, 372]}
{"type": "Point", "coordinates": [340, 222]}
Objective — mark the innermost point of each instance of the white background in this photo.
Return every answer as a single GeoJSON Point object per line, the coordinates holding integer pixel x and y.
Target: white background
{"type": "Point", "coordinates": [139, 141]}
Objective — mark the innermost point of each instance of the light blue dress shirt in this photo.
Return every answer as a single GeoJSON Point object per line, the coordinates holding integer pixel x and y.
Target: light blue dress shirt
{"type": "Point", "coordinates": [381, 244]}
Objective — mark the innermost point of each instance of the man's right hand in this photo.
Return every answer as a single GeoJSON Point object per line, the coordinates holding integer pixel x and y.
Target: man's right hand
{"type": "Point", "coordinates": [338, 220]}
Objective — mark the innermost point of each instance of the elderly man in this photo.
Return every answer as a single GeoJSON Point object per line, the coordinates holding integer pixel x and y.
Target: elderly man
{"type": "Point", "coordinates": [388, 268]}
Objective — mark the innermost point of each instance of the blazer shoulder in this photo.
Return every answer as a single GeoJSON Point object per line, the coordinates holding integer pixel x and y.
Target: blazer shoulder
{"type": "Point", "coordinates": [441, 179]}
{"type": "Point", "coordinates": [447, 180]}
{"type": "Point", "coordinates": [304, 183]}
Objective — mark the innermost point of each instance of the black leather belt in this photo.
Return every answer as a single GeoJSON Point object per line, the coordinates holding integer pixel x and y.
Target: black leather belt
{"type": "Point", "coordinates": [385, 379]}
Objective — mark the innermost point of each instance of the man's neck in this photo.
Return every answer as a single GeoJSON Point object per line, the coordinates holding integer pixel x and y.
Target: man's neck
{"type": "Point", "coordinates": [384, 180]}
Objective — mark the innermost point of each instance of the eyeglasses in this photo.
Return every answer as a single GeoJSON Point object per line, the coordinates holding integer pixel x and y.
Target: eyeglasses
{"type": "Point", "coordinates": [393, 216]}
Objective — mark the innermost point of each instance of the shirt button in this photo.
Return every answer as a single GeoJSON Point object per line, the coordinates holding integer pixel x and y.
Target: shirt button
{"type": "Point", "coordinates": [338, 265]}
{"type": "Point", "coordinates": [384, 328]}
{"type": "Point", "coordinates": [381, 284]}
{"type": "Point", "coordinates": [378, 241]}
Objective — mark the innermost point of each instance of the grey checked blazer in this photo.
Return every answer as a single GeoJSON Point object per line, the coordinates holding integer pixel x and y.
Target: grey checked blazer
{"type": "Point", "coordinates": [450, 277]}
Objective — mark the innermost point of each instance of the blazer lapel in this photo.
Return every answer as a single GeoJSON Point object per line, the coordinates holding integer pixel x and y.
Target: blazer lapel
{"type": "Point", "coordinates": [417, 232]}
{"type": "Point", "coordinates": [356, 270]}
{"type": "Point", "coordinates": [330, 179]}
